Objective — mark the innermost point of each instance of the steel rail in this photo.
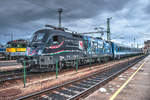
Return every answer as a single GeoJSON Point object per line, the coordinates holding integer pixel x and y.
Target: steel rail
{"type": "Point", "coordinates": [40, 93]}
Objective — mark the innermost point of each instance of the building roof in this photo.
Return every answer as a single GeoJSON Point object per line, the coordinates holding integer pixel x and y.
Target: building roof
{"type": "Point", "coordinates": [147, 42]}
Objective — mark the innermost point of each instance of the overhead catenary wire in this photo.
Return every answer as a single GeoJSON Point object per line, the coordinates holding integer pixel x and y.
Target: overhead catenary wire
{"type": "Point", "coordinates": [124, 17]}
{"type": "Point", "coordinates": [40, 5]}
{"type": "Point", "coordinates": [128, 24]}
{"type": "Point", "coordinates": [83, 21]}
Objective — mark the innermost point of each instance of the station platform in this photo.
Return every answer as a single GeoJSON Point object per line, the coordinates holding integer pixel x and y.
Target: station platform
{"type": "Point", "coordinates": [133, 84]}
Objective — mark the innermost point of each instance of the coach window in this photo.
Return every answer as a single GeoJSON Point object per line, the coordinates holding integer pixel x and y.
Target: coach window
{"type": "Point", "coordinates": [118, 49]}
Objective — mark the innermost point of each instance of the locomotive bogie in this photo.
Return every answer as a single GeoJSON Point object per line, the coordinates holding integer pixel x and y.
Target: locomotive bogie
{"type": "Point", "coordinates": [46, 60]}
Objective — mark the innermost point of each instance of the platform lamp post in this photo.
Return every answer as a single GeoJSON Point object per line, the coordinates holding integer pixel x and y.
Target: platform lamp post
{"type": "Point", "coordinates": [24, 74]}
{"type": "Point", "coordinates": [76, 64]}
{"type": "Point", "coordinates": [56, 68]}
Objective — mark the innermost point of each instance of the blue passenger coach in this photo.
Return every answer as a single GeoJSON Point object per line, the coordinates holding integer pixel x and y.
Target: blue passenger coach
{"type": "Point", "coordinates": [120, 51]}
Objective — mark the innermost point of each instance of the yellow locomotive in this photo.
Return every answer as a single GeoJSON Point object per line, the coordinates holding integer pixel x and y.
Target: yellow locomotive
{"type": "Point", "coordinates": [16, 48]}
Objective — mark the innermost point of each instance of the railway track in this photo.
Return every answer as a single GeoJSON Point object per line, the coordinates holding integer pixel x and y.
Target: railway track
{"type": "Point", "coordinates": [17, 74]}
{"type": "Point", "coordinates": [8, 63]}
{"type": "Point", "coordinates": [11, 75]}
{"type": "Point", "coordinates": [80, 87]}
{"type": "Point", "coordinates": [7, 77]}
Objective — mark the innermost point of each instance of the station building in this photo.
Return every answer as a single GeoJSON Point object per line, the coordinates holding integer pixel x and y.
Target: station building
{"type": "Point", "coordinates": [147, 46]}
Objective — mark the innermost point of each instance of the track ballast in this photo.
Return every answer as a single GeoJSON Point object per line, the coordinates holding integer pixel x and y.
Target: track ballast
{"type": "Point", "coordinates": [80, 87]}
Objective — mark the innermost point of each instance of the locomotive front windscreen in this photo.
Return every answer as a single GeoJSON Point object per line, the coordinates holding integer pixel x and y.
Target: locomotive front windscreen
{"type": "Point", "coordinates": [38, 37]}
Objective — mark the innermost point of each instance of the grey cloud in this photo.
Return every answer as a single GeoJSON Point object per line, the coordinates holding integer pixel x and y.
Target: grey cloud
{"type": "Point", "coordinates": [22, 16]}
{"type": "Point", "coordinates": [16, 12]}
{"type": "Point", "coordinates": [147, 8]}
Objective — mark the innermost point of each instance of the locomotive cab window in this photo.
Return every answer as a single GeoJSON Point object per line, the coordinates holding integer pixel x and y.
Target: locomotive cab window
{"type": "Point", "coordinates": [57, 39]}
{"type": "Point", "coordinates": [23, 45]}
{"type": "Point", "coordinates": [14, 45]}
{"type": "Point", "coordinates": [40, 36]}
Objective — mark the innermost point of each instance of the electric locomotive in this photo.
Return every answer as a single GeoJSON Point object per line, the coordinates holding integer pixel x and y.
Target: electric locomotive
{"type": "Point", "coordinates": [2, 51]}
{"type": "Point", "coordinates": [49, 46]}
{"type": "Point", "coordinates": [16, 48]}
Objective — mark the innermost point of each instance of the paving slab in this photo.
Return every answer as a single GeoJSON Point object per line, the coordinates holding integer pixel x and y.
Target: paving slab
{"type": "Point", "coordinates": [138, 88]}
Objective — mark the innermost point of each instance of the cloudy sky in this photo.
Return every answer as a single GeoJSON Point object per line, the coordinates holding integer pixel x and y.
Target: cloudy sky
{"type": "Point", "coordinates": [130, 18]}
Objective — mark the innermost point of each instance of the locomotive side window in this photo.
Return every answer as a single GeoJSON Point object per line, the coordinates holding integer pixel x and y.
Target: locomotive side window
{"type": "Point", "coordinates": [118, 49]}
{"type": "Point", "coordinates": [55, 38]}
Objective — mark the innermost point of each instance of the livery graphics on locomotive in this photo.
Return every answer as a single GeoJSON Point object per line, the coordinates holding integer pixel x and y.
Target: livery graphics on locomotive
{"type": "Point", "coordinates": [56, 46]}
{"type": "Point", "coordinates": [81, 45]}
